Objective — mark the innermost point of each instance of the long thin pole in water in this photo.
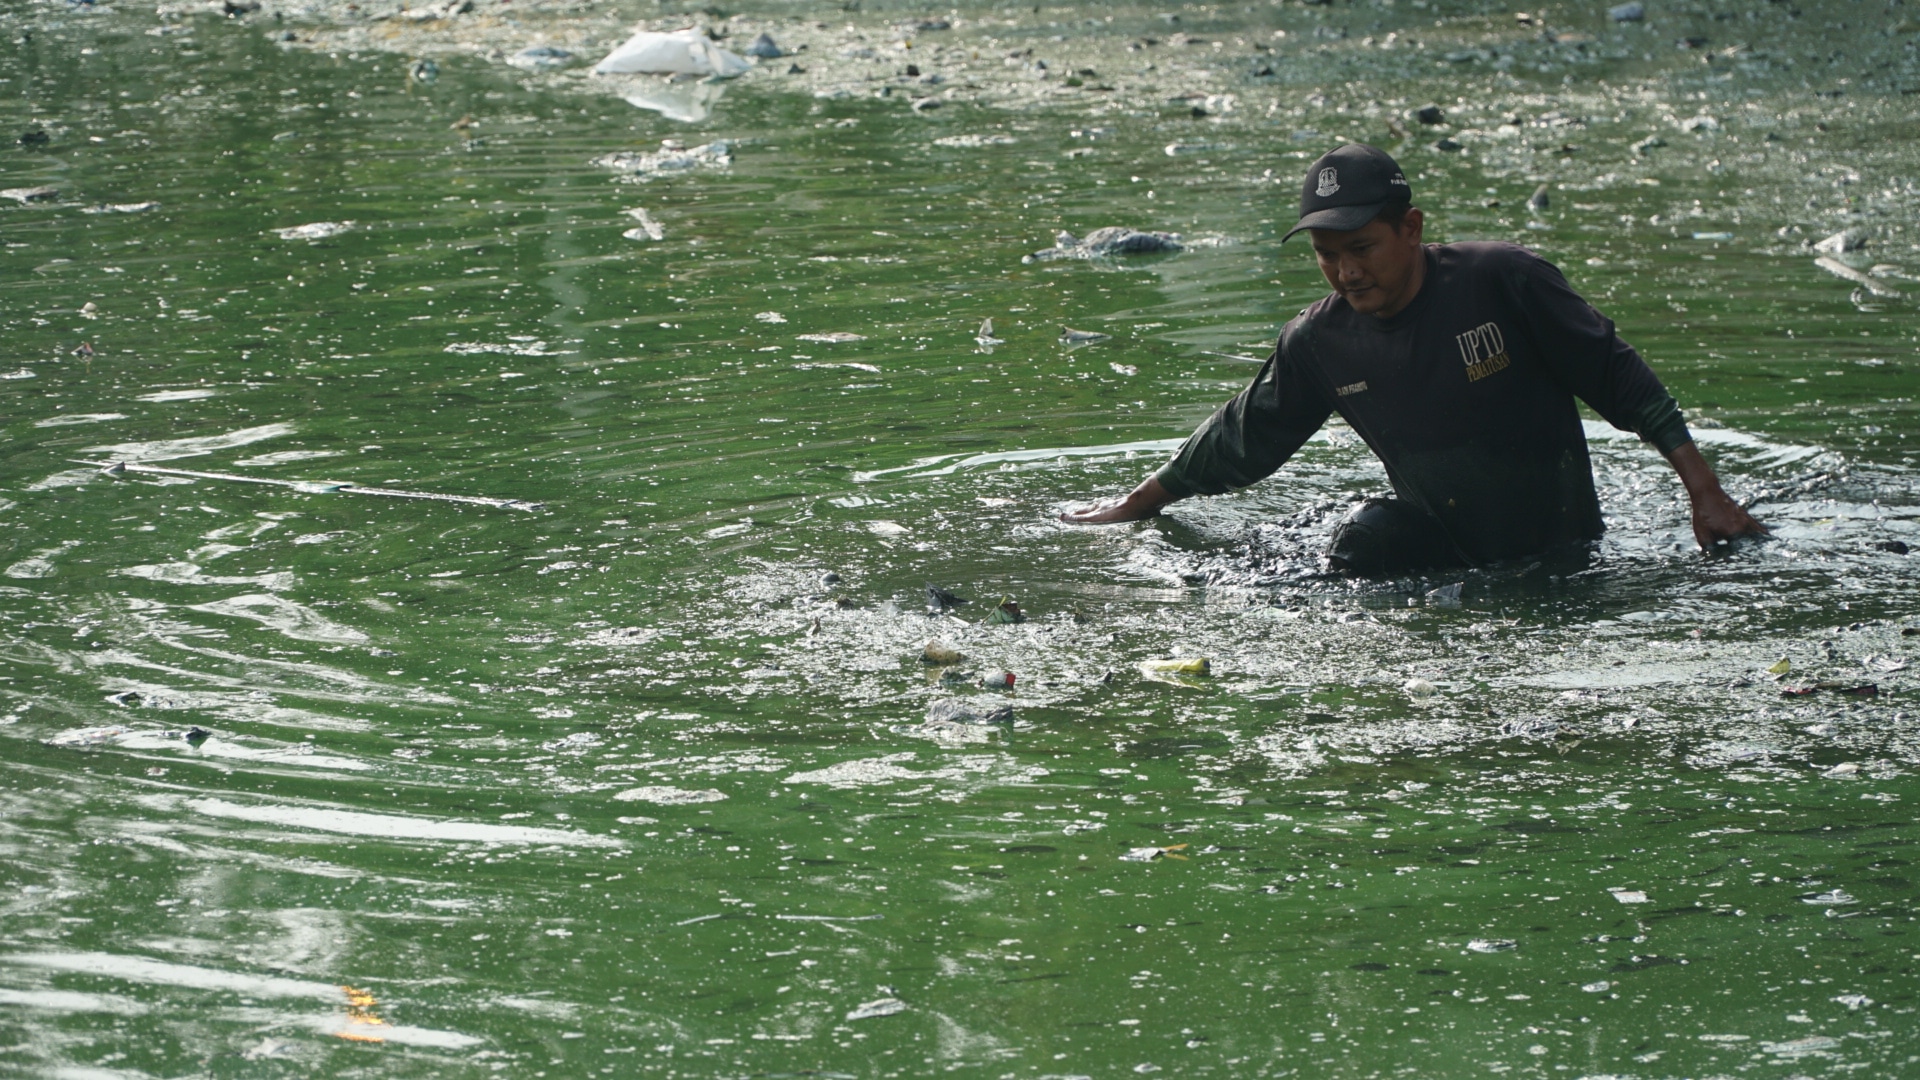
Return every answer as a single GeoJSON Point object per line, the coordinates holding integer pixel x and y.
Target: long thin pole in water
{"type": "Point", "coordinates": [119, 468]}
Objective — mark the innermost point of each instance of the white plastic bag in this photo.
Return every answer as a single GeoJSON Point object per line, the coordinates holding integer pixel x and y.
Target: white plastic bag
{"type": "Point", "coordinates": [682, 52]}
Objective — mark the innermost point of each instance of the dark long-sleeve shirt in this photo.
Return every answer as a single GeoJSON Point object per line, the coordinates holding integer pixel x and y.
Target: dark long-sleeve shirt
{"type": "Point", "coordinates": [1466, 395]}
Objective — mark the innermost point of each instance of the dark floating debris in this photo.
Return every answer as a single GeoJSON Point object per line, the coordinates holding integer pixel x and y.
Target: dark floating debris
{"type": "Point", "coordinates": [1893, 547]}
{"type": "Point", "coordinates": [540, 58]}
{"type": "Point", "coordinates": [1448, 146]}
{"type": "Point", "coordinates": [1540, 199]}
{"type": "Point", "coordinates": [1081, 337]}
{"type": "Point", "coordinates": [1108, 241]}
{"type": "Point", "coordinates": [1430, 114]}
{"type": "Point", "coordinates": [964, 711]}
{"type": "Point", "coordinates": [36, 137]}
{"type": "Point", "coordinates": [1831, 687]}
{"type": "Point", "coordinates": [764, 48]}
{"type": "Point", "coordinates": [939, 599]}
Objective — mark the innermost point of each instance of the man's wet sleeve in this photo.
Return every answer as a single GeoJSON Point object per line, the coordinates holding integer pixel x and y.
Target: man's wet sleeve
{"type": "Point", "coordinates": [1249, 437]}
{"type": "Point", "coordinates": [1586, 353]}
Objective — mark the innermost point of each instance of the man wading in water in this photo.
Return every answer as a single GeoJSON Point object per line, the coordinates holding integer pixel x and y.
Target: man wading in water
{"type": "Point", "coordinates": [1459, 365]}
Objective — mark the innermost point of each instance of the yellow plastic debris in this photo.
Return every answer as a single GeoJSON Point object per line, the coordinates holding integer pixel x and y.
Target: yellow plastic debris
{"type": "Point", "coordinates": [1780, 668]}
{"type": "Point", "coordinates": [1191, 665]}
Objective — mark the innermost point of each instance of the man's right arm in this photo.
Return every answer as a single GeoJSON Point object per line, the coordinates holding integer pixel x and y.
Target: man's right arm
{"type": "Point", "coordinates": [1243, 442]}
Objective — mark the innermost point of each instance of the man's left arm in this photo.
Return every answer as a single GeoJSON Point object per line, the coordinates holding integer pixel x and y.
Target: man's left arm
{"type": "Point", "coordinates": [1607, 374]}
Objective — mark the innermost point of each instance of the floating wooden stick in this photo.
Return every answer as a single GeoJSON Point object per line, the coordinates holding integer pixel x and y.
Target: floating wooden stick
{"type": "Point", "coordinates": [120, 468]}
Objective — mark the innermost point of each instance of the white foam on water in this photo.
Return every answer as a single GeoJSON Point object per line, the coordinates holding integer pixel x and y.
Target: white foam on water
{"type": "Point", "coordinates": [166, 449]}
{"type": "Point", "coordinates": [140, 969]}
{"type": "Point", "coordinates": [78, 418]}
{"type": "Point", "coordinates": [164, 396]}
{"type": "Point", "coordinates": [186, 573]}
{"type": "Point", "coordinates": [282, 457]}
{"type": "Point", "coordinates": [296, 621]}
{"type": "Point", "coordinates": [392, 826]}
{"type": "Point", "coordinates": [946, 464]}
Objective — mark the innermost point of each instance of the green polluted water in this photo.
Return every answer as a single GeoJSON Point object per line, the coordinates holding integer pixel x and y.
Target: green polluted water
{"type": "Point", "coordinates": [301, 781]}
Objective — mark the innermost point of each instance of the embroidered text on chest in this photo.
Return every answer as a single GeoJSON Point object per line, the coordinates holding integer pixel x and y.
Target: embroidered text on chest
{"type": "Point", "coordinates": [1484, 350]}
{"type": "Point", "coordinates": [1351, 388]}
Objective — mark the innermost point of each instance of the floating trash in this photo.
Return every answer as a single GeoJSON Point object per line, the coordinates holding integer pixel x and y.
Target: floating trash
{"type": "Point", "coordinates": [670, 158]}
{"type": "Point", "coordinates": [1540, 200]}
{"type": "Point", "coordinates": [997, 680]}
{"type": "Point", "coordinates": [318, 230]}
{"type": "Point", "coordinates": [1842, 270]}
{"type": "Point", "coordinates": [1629, 896]}
{"type": "Point", "coordinates": [540, 58]}
{"type": "Point", "coordinates": [837, 337]}
{"type": "Point", "coordinates": [1149, 854]}
{"type": "Point", "coordinates": [1832, 898]}
{"type": "Point", "coordinates": [669, 796]}
{"type": "Point", "coordinates": [985, 334]}
{"type": "Point", "coordinates": [939, 600]}
{"type": "Point", "coordinates": [1106, 242]}
{"type": "Point", "coordinates": [1600, 987]}
{"type": "Point", "coordinates": [1071, 336]}
{"type": "Point", "coordinates": [965, 711]}
{"type": "Point", "coordinates": [1492, 945]}
{"type": "Point", "coordinates": [649, 229]}
{"type": "Point", "coordinates": [1531, 727]}
{"type": "Point", "coordinates": [1781, 668]}
{"type": "Point", "coordinates": [121, 468]}
{"type": "Point", "coordinates": [1713, 236]}
{"type": "Point", "coordinates": [764, 48]}
{"type": "Point", "coordinates": [974, 142]}
{"type": "Point", "coordinates": [1191, 665]}
{"type": "Point", "coordinates": [1633, 12]}
{"type": "Point", "coordinates": [1005, 613]}
{"type": "Point", "coordinates": [1842, 242]}
{"type": "Point", "coordinates": [1420, 688]}
{"type": "Point", "coordinates": [940, 654]}
{"type": "Point", "coordinates": [25, 195]}
{"type": "Point", "coordinates": [122, 208]}
{"type": "Point", "coordinates": [682, 52]}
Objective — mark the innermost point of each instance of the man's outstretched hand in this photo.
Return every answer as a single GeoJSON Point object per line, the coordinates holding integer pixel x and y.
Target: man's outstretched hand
{"type": "Point", "coordinates": [1716, 517]}
{"type": "Point", "coordinates": [1142, 502]}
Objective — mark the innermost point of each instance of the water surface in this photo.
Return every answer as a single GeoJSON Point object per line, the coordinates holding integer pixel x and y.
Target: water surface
{"type": "Point", "coordinates": [300, 781]}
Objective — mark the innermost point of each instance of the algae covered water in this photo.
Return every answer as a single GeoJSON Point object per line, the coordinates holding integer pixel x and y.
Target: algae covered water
{"type": "Point", "coordinates": [300, 780]}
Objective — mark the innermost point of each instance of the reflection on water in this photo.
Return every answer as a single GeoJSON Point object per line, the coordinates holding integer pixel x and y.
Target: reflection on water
{"type": "Point", "coordinates": [655, 780]}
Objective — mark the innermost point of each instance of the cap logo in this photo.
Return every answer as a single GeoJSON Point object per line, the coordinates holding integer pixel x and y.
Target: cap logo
{"type": "Point", "coordinates": [1329, 183]}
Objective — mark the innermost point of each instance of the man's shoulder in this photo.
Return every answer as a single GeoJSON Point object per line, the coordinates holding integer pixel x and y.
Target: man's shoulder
{"type": "Point", "coordinates": [1330, 306]}
{"type": "Point", "coordinates": [1488, 255]}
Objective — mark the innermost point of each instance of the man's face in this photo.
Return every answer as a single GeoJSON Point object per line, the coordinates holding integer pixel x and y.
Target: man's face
{"type": "Point", "coordinates": [1377, 268]}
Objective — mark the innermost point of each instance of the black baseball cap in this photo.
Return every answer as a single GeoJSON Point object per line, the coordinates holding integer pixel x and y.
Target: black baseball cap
{"type": "Point", "coordinates": [1347, 187]}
